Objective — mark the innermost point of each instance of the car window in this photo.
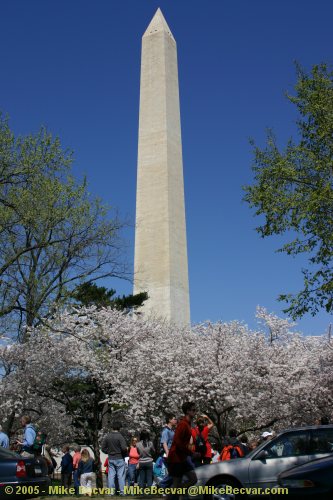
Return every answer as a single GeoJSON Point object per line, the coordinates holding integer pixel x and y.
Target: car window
{"type": "Point", "coordinates": [288, 445]}
{"type": "Point", "coordinates": [321, 441]}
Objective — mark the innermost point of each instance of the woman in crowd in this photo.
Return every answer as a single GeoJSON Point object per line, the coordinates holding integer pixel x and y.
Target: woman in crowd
{"type": "Point", "coordinates": [76, 461]}
{"type": "Point", "coordinates": [133, 461]}
{"type": "Point", "coordinates": [146, 451]}
{"type": "Point", "coordinates": [86, 471]}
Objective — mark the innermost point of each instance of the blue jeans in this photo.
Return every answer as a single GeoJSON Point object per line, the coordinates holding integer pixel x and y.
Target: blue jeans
{"type": "Point", "coordinates": [132, 474]}
{"type": "Point", "coordinates": [76, 481]}
{"type": "Point", "coordinates": [116, 469]}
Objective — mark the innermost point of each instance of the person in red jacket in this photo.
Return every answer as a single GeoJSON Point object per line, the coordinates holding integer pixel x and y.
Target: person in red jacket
{"type": "Point", "coordinates": [181, 452]}
{"type": "Point", "coordinates": [200, 439]}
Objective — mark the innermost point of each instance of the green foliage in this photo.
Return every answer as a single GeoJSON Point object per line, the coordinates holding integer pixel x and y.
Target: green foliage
{"type": "Point", "coordinates": [90, 294]}
{"type": "Point", "coordinates": [82, 396]}
{"type": "Point", "coordinates": [53, 234]}
{"type": "Point", "coordinates": [128, 302]}
{"type": "Point", "coordinates": [293, 190]}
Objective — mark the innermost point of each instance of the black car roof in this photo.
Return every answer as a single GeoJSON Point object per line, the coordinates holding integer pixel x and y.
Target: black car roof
{"type": "Point", "coordinates": [306, 428]}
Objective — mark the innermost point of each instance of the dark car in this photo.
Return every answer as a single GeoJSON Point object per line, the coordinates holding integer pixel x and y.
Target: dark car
{"type": "Point", "coordinates": [22, 477]}
{"type": "Point", "coordinates": [313, 480]}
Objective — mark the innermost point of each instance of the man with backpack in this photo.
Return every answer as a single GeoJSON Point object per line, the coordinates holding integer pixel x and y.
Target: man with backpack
{"type": "Point", "coordinates": [232, 448]}
{"type": "Point", "coordinates": [200, 439]}
{"type": "Point", "coordinates": [29, 437]}
{"type": "Point", "coordinates": [33, 439]}
{"type": "Point", "coordinates": [181, 451]}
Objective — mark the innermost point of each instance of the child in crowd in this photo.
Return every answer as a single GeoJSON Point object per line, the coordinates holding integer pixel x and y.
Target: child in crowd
{"type": "Point", "coordinates": [86, 471]}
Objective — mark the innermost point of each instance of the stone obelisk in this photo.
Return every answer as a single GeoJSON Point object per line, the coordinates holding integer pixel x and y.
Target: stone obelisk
{"type": "Point", "coordinates": [160, 265]}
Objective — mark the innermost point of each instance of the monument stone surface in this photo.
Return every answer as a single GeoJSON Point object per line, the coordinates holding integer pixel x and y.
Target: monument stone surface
{"type": "Point", "coordinates": [160, 263]}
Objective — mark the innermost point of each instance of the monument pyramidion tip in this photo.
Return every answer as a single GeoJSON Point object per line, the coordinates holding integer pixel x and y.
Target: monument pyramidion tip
{"type": "Point", "coordinates": [158, 23]}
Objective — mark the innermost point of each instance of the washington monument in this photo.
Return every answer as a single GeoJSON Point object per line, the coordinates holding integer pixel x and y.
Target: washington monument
{"type": "Point", "coordinates": [160, 263]}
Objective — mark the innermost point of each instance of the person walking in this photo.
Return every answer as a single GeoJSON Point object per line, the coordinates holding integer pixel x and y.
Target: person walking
{"type": "Point", "coordinates": [86, 472]}
{"type": "Point", "coordinates": [114, 445]}
{"type": "Point", "coordinates": [168, 433]}
{"type": "Point", "coordinates": [146, 451]}
{"type": "Point", "coordinates": [181, 452]}
{"type": "Point", "coordinates": [4, 439]}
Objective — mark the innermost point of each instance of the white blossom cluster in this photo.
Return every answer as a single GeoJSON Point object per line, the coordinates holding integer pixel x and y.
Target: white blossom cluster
{"type": "Point", "coordinates": [248, 380]}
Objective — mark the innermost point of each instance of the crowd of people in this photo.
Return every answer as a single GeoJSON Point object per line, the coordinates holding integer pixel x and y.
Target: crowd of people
{"type": "Point", "coordinates": [183, 446]}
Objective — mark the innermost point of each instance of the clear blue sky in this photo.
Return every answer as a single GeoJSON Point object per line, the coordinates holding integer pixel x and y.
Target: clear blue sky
{"type": "Point", "coordinates": [74, 66]}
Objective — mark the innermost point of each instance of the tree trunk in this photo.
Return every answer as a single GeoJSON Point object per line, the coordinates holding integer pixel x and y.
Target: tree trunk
{"type": "Point", "coordinates": [98, 465]}
{"type": "Point", "coordinates": [9, 424]}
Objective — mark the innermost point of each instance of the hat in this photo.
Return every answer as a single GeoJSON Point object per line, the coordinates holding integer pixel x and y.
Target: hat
{"type": "Point", "coordinates": [266, 434]}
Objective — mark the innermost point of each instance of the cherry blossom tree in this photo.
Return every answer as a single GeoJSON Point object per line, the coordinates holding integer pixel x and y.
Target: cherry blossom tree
{"type": "Point", "coordinates": [86, 366]}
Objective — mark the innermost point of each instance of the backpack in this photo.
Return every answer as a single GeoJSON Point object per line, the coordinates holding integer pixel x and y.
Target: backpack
{"type": "Point", "coordinates": [40, 440]}
{"type": "Point", "coordinates": [159, 468]}
{"type": "Point", "coordinates": [200, 445]}
{"type": "Point", "coordinates": [229, 452]}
